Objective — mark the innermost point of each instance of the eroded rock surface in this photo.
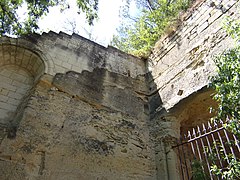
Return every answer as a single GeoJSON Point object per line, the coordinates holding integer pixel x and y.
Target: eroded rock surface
{"type": "Point", "coordinates": [63, 136]}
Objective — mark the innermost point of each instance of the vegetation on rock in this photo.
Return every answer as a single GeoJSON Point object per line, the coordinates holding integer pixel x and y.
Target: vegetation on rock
{"type": "Point", "coordinates": [138, 34]}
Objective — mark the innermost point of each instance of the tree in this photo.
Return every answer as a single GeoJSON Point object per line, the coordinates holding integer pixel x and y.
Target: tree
{"type": "Point", "coordinates": [227, 86]}
{"type": "Point", "coordinates": [140, 33]}
{"type": "Point", "coordinates": [10, 22]}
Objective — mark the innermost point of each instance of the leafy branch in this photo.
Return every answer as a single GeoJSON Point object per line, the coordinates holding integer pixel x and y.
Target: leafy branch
{"type": "Point", "coordinates": [227, 86]}
{"type": "Point", "coordinates": [10, 22]}
{"type": "Point", "coordinates": [139, 36]}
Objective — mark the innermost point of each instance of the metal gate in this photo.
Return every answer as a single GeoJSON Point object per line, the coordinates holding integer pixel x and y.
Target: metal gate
{"type": "Point", "coordinates": [205, 148]}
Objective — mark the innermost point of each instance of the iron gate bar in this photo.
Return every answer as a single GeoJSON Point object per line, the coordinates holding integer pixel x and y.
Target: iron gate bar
{"type": "Point", "coordinates": [223, 147]}
{"type": "Point", "coordinates": [198, 150]}
{"type": "Point", "coordinates": [235, 139]}
{"type": "Point", "coordinates": [236, 142]}
{"type": "Point", "coordinates": [229, 143]}
{"type": "Point", "coordinates": [208, 142]}
{"type": "Point", "coordinates": [215, 138]}
{"type": "Point", "coordinates": [216, 147]}
{"type": "Point", "coordinates": [198, 137]}
{"type": "Point", "coordinates": [204, 151]}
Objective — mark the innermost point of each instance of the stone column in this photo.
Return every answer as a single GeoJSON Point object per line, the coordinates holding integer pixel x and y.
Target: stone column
{"type": "Point", "coordinates": [166, 131]}
{"type": "Point", "coordinates": [172, 134]}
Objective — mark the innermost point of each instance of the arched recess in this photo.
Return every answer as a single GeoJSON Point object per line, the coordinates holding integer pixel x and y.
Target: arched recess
{"type": "Point", "coordinates": [20, 70]}
{"type": "Point", "coordinates": [34, 45]}
{"type": "Point", "coordinates": [194, 110]}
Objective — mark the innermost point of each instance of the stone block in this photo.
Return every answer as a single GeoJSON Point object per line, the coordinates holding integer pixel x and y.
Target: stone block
{"type": "Point", "coordinates": [4, 91]}
{"type": "Point", "coordinates": [76, 68]}
{"type": "Point", "coordinates": [215, 14]}
{"type": "Point", "coordinates": [3, 115]}
{"type": "Point", "coordinates": [67, 65]}
{"type": "Point", "coordinates": [7, 106]}
{"type": "Point", "coordinates": [85, 85]}
{"type": "Point", "coordinates": [7, 58]}
{"type": "Point", "coordinates": [6, 80]}
{"type": "Point", "coordinates": [202, 27]}
{"type": "Point", "coordinates": [58, 62]}
{"type": "Point", "coordinates": [15, 95]}
{"type": "Point", "coordinates": [19, 53]}
{"type": "Point", "coordinates": [60, 69]}
{"type": "Point", "coordinates": [22, 90]}
{"type": "Point", "coordinates": [25, 62]}
{"type": "Point", "coordinates": [3, 98]}
{"type": "Point", "coordinates": [13, 101]}
{"type": "Point", "coordinates": [16, 83]}
{"type": "Point", "coordinates": [18, 77]}
{"type": "Point", "coordinates": [8, 86]}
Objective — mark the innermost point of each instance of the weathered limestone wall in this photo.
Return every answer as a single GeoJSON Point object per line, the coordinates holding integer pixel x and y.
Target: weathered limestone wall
{"type": "Point", "coordinates": [83, 116]}
{"type": "Point", "coordinates": [182, 61]}
{"type": "Point", "coordinates": [66, 135]}
{"type": "Point", "coordinates": [179, 67]}
{"type": "Point", "coordinates": [19, 70]}
{"type": "Point", "coordinates": [15, 82]}
{"type": "Point", "coordinates": [62, 52]}
{"type": "Point", "coordinates": [72, 109]}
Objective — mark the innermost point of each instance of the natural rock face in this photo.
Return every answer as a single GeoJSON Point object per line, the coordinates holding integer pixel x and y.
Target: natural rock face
{"type": "Point", "coordinates": [120, 93]}
{"type": "Point", "coordinates": [179, 69]}
{"type": "Point", "coordinates": [85, 118]}
{"type": "Point", "coordinates": [72, 109]}
{"type": "Point", "coordinates": [63, 137]}
{"type": "Point", "coordinates": [182, 61]}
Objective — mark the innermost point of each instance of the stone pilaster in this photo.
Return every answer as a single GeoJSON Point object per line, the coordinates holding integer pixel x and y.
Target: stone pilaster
{"type": "Point", "coordinates": [167, 130]}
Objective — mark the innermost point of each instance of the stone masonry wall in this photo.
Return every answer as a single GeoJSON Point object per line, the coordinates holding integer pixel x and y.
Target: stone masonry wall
{"type": "Point", "coordinates": [178, 71]}
{"type": "Point", "coordinates": [85, 116]}
{"type": "Point", "coordinates": [15, 82]}
{"type": "Point", "coordinates": [182, 61]}
{"type": "Point", "coordinates": [91, 112]}
{"type": "Point", "coordinates": [62, 52]}
{"type": "Point", "coordinates": [66, 135]}
{"type": "Point", "coordinates": [19, 70]}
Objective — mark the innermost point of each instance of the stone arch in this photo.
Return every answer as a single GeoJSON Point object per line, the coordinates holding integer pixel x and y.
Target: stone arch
{"type": "Point", "coordinates": [195, 109]}
{"type": "Point", "coordinates": [24, 58]}
{"type": "Point", "coordinates": [32, 47]}
{"type": "Point", "coordinates": [20, 70]}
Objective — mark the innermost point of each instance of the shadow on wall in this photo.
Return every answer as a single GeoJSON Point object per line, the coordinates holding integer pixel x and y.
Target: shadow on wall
{"type": "Point", "coordinates": [166, 125]}
{"type": "Point", "coordinates": [20, 70]}
{"type": "Point", "coordinates": [161, 132]}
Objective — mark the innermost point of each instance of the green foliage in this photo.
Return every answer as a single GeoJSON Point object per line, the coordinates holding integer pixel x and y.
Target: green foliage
{"type": "Point", "coordinates": [10, 22]}
{"type": "Point", "coordinates": [197, 170]}
{"type": "Point", "coordinates": [233, 28]}
{"type": "Point", "coordinates": [227, 86]}
{"type": "Point", "coordinates": [140, 34]}
{"type": "Point", "coordinates": [232, 171]}
{"type": "Point", "coordinates": [227, 81]}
